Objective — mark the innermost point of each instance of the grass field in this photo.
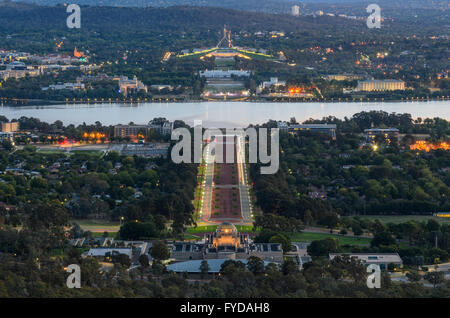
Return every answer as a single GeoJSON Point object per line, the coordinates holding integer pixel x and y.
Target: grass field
{"type": "Point", "coordinates": [98, 226]}
{"type": "Point", "coordinates": [297, 237]}
{"type": "Point", "coordinates": [97, 153]}
{"type": "Point", "coordinates": [90, 152]}
{"type": "Point", "coordinates": [201, 229]}
{"type": "Point", "coordinates": [405, 218]}
{"type": "Point", "coordinates": [212, 228]}
{"type": "Point", "coordinates": [192, 237]}
{"type": "Point", "coordinates": [343, 240]}
{"type": "Point", "coordinates": [51, 151]}
{"type": "Point", "coordinates": [100, 234]}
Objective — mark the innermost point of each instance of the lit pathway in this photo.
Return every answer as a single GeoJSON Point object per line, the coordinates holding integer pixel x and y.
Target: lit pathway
{"type": "Point", "coordinates": [244, 189]}
{"type": "Point", "coordinates": [205, 213]}
{"type": "Point", "coordinates": [208, 185]}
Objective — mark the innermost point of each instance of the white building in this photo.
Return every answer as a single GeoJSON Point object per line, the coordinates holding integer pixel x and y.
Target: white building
{"type": "Point", "coordinates": [67, 86]}
{"type": "Point", "coordinates": [16, 65]}
{"type": "Point", "coordinates": [123, 131]}
{"type": "Point", "coordinates": [381, 85]}
{"type": "Point", "coordinates": [223, 74]}
{"type": "Point", "coordinates": [54, 59]}
{"type": "Point", "coordinates": [161, 87]}
{"type": "Point", "coordinates": [343, 77]}
{"type": "Point", "coordinates": [101, 252]}
{"type": "Point", "coordinates": [17, 74]}
{"type": "Point", "coordinates": [295, 10]}
{"type": "Point", "coordinates": [125, 85]}
{"type": "Point", "coordinates": [273, 82]}
{"type": "Point", "coordinates": [268, 84]}
{"type": "Point", "coordinates": [381, 259]}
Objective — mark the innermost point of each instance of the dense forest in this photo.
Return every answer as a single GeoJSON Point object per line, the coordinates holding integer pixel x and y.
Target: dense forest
{"type": "Point", "coordinates": [91, 185]}
{"type": "Point", "coordinates": [356, 179]}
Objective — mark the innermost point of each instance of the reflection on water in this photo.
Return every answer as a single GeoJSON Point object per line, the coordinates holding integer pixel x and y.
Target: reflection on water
{"type": "Point", "coordinates": [217, 114]}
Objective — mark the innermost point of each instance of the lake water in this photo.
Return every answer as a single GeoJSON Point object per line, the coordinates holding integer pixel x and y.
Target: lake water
{"type": "Point", "coordinates": [218, 114]}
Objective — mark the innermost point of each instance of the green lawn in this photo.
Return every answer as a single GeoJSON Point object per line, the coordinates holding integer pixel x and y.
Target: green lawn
{"type": "Point", "coordinates": [245, 228]}
{"type": "Point", "coordinates": [100, 234]}
{"type": "Point", "coordinates": [298, 237]}
{"type": "Point", "coordinates": [343, 240]}
{"type": "Point", "coordinates": [201, 229]}
{"type": "Point", "coordinates": [90, 151]}
{"type": "Point", "coordinates": [212, 228]}
{"type": "Point", "coordinates": [405, 218]}
{"type": "Point", "coordinates": [97, 153]}
{"type": "Point", "coordinates": [192, 237]}
{"type": "Point", "coordinates": [98, 225]}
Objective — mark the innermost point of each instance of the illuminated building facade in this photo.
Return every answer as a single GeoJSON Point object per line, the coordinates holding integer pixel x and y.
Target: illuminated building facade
{"type": "Point", "coordinates": [123, 131]}
{"type": "Point", "coordinates": [442, 214]}
{"type": "Point", "coordinates": [224, 74]}
{"type": "Point", "coordinates": [227, 243]}
{"type": "Point", "coordinates": [381, 85]}
{"type": "Point", "coordinates": [9, 127]}
{"type": "Point", "coordinates": [126, 85]}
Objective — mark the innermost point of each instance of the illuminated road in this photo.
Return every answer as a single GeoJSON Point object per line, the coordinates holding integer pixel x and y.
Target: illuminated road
{"type": "Point", "coordinates": [244, 189]}
{"type": "Point", "coordinates": [208, 186]}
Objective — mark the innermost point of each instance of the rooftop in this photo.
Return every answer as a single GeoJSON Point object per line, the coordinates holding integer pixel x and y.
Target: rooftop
{"type": "Point", "coordinates": [103, 251]}
{"type": "Point", "coordinates": [373, 258]}
{"type": "Point", "coordinates": [381, 130]}
{"type": "Point", "coordinates": [314, 126]}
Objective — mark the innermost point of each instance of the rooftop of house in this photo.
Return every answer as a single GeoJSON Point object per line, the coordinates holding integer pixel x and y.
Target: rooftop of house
{"type": "Point", "coordinates": [382, 258]}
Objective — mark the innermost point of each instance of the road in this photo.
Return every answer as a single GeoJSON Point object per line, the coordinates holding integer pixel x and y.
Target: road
{"type": "Point", "coordinates": [205, 213]}
{"type": "Point", "coordinates": [208, 186]}
{"type": "Point", "coordinates": [244, 189]}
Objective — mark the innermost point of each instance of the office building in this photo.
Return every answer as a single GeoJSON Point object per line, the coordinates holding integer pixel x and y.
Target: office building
{"type": "Point", "coordinates": [384, 260]}
{"type": "Point", "coordinates": [146, 150]}
{"type": "Point", "coordinates": [164, 128]}
{"type": "Point", "coordinates": [65, 86]}
{"type": "Point", "coordinates": [9, 127]}
{"type": "Point", "coordinates": [224, 74]}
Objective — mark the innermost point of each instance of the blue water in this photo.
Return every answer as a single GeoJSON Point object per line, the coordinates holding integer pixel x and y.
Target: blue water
{"type": "Point", "coordinates": [217, 114]}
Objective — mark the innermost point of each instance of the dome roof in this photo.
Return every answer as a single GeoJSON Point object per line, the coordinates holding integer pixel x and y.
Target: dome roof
{"type": "Point", "coordinates": [226, 226]}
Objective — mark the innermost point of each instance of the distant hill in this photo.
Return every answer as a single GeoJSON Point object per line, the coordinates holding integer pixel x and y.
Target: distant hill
{"type": "Point", "coordinates": [274, 6]}
{"type": "Point", "coordinates": [30, 17]}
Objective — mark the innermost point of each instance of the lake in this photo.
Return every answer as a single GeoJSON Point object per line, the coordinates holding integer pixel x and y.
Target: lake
{"type": "Point", "coordinates": [218, 114]}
